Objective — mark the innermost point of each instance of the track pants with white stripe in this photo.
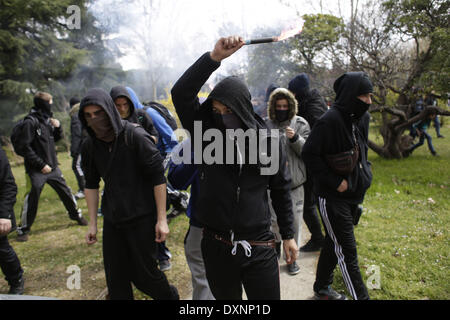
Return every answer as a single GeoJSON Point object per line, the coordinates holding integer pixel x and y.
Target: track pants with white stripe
{"type": "Point", "coordinates": [76, 167]}
{"type": "Point", "coordinates": [339, 248]}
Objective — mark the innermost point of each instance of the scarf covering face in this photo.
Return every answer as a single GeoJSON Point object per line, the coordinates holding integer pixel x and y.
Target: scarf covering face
{"type": "Point", "coordinates": [43, 107]}
{"type": "Point", "coordinates": [348, 87]}
{"type": "Point", "coordinates": [102, 127]}
{"type": "Point", "coordinates": [101, 98]}
{"type": "Point", "coordinates": [281, 115]}
{"type": "Point", "coordinates": [227, 121]}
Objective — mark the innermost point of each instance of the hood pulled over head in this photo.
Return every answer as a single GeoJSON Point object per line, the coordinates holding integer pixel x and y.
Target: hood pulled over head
{"type": "Point", "coordinates": [233, 93]}
{"type": "Point", "coordinates": [277, 94]}
{"type": "Point", "coordinates": [101, 98]}
{"type": "Point", "coordinates": [122, 92]}
{"type": "Point", "coordinates": [348, 87]}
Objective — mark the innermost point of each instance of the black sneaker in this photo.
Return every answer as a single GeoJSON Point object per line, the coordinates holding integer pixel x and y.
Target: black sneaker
{"type": "Point", "coordinates": [329, 294]}
{"type": "Point", "coordinates": [17, 287]}
{"type": "Point", "coordinates": [312, 246]}
{"type": "Point", "coordinates": [293, 268]}
{"type": "Point", "coordinates": [79, 218]}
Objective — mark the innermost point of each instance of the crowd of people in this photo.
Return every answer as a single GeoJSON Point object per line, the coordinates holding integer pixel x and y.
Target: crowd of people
{"type": "Point", "coordinates": [241, 222]}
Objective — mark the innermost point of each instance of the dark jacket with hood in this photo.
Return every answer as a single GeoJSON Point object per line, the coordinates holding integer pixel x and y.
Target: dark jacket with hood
{"type": "Point", "coordinates": [39, 141]}
{"type": "Point", "coordinates": [136, 115]}
{"type": "Point", "coordinates": [232, 198]}
{"type": "Point", "coordinates": [77, 133]}
{"type": "Point", "coordinates": [332, 134]}
{"type": "Point", "coordinates": [311, 106]}
{"type": "Point", "coordinates": [8, 190]}
{"type": "Point", "coordinates": [130, 170]}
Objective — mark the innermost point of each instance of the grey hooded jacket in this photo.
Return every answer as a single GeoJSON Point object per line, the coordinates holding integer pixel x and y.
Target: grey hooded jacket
{"type": "Point", "coordinates": [293, 146]}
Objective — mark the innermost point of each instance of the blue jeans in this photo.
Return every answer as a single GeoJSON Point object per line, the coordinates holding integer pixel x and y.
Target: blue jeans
{"type": "Point", "coordinates": [437, 126]}
{"type": "Point", "coordinates": [424, 135]}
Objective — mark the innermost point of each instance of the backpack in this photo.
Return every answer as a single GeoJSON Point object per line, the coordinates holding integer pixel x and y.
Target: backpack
{"type": "Point", "coordinates": [17, 134]}
{"type": "Point", "coordinates": [164, 112]}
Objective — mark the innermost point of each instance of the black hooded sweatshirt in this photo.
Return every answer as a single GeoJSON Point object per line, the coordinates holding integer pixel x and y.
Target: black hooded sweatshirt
{"type": "Point", "coordinates": [332, 134]}
{"type": "Point", "coordinates": [138, 116]}
{"type": "Point", "coordinates": [232, 198]}
{"type": "Point", "coordinates": [311, 106]}
{"type": "Point", "coordinates": [39, 140]}
{"type": "Point", "coordinates": [130, 170]}
{"type": "Point", "coordinates": [8, 190]}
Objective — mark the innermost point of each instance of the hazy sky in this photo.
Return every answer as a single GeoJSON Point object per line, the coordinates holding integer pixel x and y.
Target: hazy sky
{"type": "Point", "coordinates": [193, 26]}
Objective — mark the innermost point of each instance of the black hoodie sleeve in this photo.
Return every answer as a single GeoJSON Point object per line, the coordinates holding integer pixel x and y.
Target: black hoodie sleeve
{"type": "Point", "coordinates": [186, 89]}
{"type": "Point", "coordinates": [91, 174]}
{"type": "Point", "coordinates": [8, 188]}
{"type": "Point", "coordinates": [280, 187]}
{"type": "Point", "coordinates": [149, 156]}
{"type": "Point", "coordinates": [29, 132]}
{"type": "Point", "coordinates": [75, 135]}
{"type": "Point", "coordinates": [315, 148]}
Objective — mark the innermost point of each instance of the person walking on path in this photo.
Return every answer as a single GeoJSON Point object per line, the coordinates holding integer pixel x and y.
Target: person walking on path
{"type": "Point", "coordinates": [336, 156]}
{"type": "Point", "coordinates": [311, 106]}
{"type": "Point", "coordinates": [237, 245]}
{"type": "Point", "coordinates": [294, 130]}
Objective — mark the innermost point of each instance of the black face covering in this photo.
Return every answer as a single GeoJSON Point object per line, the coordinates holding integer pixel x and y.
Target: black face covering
{"type": "Point", "coordinates": [281, 115]}
{"type": "Point", "coordinates": [43, 107]}
{"type": "Point", "coordinates": [358, 108]}
{"type": "Point", "coordinates": [102, 127]}
{"type": "Point", "coordinates": [227, 121]}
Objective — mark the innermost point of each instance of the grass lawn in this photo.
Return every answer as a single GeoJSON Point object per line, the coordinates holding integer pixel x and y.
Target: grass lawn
{"type": "Point", "coordinates": [404, 231]}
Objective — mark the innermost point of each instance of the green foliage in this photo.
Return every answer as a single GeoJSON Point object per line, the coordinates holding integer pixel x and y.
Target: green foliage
{"type": "Point", "coordinates": [279, 62]}
{"type": "Point", "coordinates": [38, 52]}
{"type": "Point", "coordinates": [319, 32]}
{"type": "Point", "coordinates": [427, 22]}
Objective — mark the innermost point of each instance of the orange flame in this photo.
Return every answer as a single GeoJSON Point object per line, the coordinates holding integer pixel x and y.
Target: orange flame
{"type": "Point", "coordinates": [290, 33]}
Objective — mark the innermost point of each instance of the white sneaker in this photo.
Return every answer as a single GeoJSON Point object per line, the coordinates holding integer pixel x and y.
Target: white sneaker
{"type": "Point", "coordinates": [79, 195]}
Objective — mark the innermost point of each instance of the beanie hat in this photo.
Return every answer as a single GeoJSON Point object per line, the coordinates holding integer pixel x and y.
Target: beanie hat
{"type": "Point", "coordinates": [269, 90]}
{"type": "Point", "coordinates": [299, 84]}
{"type": "Point", "coordinates": [73, 101]}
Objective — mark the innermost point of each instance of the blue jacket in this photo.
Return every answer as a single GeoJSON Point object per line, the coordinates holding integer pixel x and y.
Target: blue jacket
{"type": "Point", "coordinates": [181, 176]}
{"type": "Point", "coordinates": [167, 140]}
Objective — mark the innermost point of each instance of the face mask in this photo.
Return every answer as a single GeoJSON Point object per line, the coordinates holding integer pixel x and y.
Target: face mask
{"type": "Point", "coordinates": [281, 115]}
{"type": "Point", "coordinates": [358, 109]}
{"type": "Point", "coordinates": [102, 127]}
{"type": "Point", "coordinates": [227, 121]}
{"type": "Point", "coordinates": [44, 107]}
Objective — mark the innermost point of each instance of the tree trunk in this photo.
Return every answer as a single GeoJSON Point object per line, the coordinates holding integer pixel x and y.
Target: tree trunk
{"type": "Point", "coordinates": [396, 144]}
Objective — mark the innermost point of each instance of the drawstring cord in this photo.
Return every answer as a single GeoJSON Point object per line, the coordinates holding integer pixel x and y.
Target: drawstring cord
{"type": "Point", "coordinates": [247, 247]}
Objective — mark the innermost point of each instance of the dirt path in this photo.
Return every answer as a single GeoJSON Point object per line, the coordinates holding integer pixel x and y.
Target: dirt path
{"type": "Point", "coordinates": [300, 286]}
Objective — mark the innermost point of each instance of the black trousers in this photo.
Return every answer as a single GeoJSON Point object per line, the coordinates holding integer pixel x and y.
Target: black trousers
{"type": "Point", "coordinates": [9, 262]}
{"type": "Point", "coordinates": [227, 273]}
{"type": "Point", "coordinates": [129, 255]}
{"type": "Point", "coordinates": [35, 184]}
{"type": "Point", "coordinates": [76, 167]}
{"type": "Point", "coordinates": [310, 213]}
{"type": "Point", "coordinates": [339, 248]}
